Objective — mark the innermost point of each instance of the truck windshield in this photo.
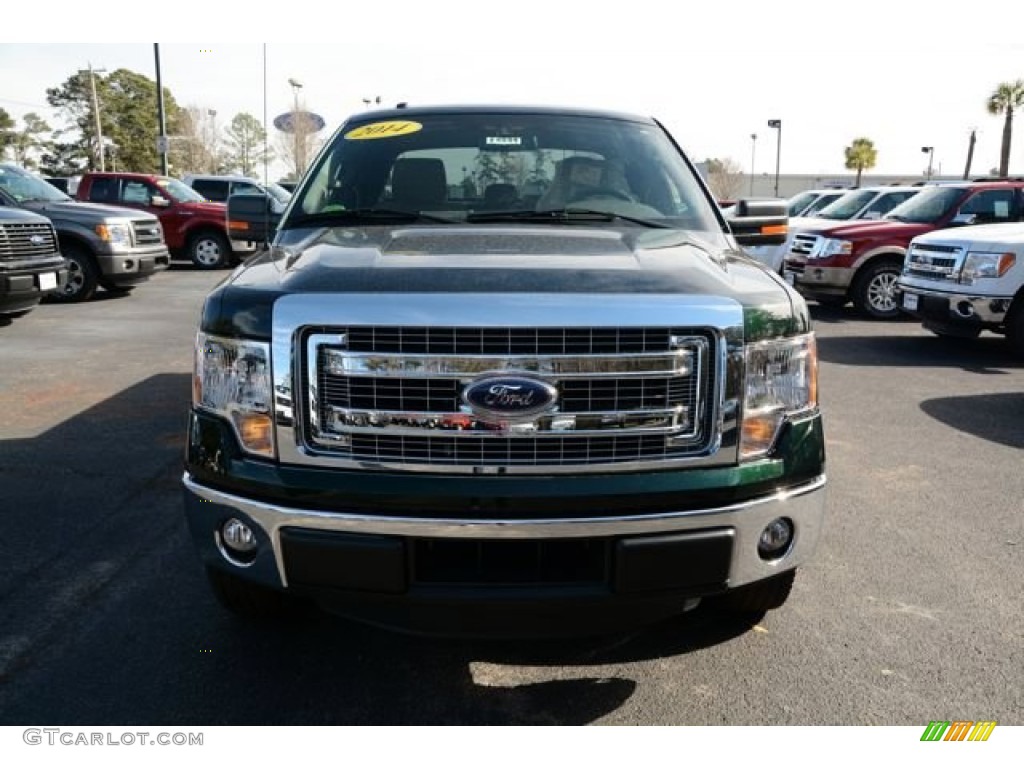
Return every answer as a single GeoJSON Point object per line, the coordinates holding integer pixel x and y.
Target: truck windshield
{"type": "Point", "coordinates": [451, 168]}
{"type": "Point", "coordinates": [927, 206]}
{"type": "Point", "coordinates": [847, 206]}
{"type": "Point", "coordinates": [25, 187]}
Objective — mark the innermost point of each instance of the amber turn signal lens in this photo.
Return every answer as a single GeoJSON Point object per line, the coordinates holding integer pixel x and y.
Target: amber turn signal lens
{"type": "Point", "coordinates": [254, 431]}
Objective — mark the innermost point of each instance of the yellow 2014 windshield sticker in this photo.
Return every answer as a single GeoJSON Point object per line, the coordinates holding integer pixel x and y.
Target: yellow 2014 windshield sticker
{"type": "Point", "coordinates": [385, 130]}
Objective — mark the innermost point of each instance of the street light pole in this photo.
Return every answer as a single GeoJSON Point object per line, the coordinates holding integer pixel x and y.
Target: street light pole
{"type": "Point", "coordinates": [930, 151]}
{"type": "Point", "coordinates": [161, 139]}
{"type": "Point", "coordinates": [296, 86]}
{"type": "Point", "coordinates": [777, 125]}
{"type": "Point", "coordinates": [753, 149]}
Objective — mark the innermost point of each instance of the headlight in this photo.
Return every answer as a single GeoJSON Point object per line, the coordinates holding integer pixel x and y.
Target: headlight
{"type": "Point", "coordinates": [832, 247]}
{"type": "Point", "coordinates": [980, 264]}
{"type": "Point", "coordinates": [232, 379]}
{"type": "Point", "coordinates": [118, 235]}
{"type": "Point", "coordinates": [781, 382]}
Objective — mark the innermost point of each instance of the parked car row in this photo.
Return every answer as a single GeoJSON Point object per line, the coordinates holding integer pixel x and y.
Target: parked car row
{"type": "Point", "coordinates": [114, 233]}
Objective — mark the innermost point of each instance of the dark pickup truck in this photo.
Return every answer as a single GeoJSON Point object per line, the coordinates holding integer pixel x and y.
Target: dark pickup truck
{"type": "Point", "coordinates": [31, 266]}
{"type": "Point", "coordinates": [104, 246]}
{"type": "Point", "coordinates": [506, 371]}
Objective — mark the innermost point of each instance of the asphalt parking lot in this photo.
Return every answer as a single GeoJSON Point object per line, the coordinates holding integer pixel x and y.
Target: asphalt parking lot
{"type": "Point", "coordinates": [912, 610]}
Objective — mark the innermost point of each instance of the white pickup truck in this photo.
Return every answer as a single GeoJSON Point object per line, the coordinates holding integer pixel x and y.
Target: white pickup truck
{"type": "Point", "coordinates": [962, 281]}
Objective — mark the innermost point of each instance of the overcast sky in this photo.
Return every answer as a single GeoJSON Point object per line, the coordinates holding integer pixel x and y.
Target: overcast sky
{"type": "Point", "coordinates": [904, 74]}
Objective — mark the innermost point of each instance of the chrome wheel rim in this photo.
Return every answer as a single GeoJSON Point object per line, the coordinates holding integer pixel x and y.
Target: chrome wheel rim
{"type": "Point", "coordinates": [207, 252]}
{"type": "Point", "coordinates": [76, 277]}
{"type": "Point", "coordinates": [882, 292]}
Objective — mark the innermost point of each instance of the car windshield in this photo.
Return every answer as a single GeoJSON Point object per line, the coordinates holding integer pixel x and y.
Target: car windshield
{"type": "Point", "coordinates": [516, 167]}
{"type": "Point", "coordinates": [825, 200]}
{"type": "Point", "coordinates": [178, 191]}
{"type": "Point", "coordinates": [927, 206]}
{"type": "Point", "coordinates": [26, 187]}
{"type": "Point", "coordinates": [847, 206]}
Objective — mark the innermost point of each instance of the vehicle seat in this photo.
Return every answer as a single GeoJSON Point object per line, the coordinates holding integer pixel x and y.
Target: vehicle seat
{"type": "Point", "coordinates": [419, 183]}
{"type": "Point", "coordinates": [578, 177]}
{"type": "Point", "coordinates": [501, 196]}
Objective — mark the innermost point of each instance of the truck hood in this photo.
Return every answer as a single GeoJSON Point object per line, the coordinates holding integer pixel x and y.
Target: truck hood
{"type": "Point", "coordinates": [1009, 236]}
{"type": "Point", "coordinates": [493, 259]}
{"type": "Point", "coordinates": [870, 229]}
{"type": "Point", "coordinates": [74, 210]}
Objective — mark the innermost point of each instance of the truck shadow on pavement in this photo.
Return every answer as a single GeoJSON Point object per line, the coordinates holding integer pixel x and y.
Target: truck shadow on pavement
{"type": "Point", "coordinates": [105, 617]}
{"type": "Point", "coordinates": [987, 354]}
{"type": "Point", "coordinates": [998, 417]}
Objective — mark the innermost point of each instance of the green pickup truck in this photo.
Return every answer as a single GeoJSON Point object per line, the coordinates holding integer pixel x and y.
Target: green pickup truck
{"type": "Point", "coordinates": [506, 370]}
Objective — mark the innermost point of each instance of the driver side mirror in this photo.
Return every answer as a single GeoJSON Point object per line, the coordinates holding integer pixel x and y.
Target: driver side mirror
{"type": "Point", "coordinates": [159, 201]}
{"type": "Point", "coordinates": [963, 219]}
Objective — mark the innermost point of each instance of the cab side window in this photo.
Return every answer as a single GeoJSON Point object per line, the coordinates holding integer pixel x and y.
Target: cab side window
{"type": "Point", "coordinates": [135, 193]}
{"type": "Point", "coordinates": [243, 188]}
{"type": "Point", "coordinates": [991, 206]}
{"type": "Point", "coordinates": [103, 190]}
{"type": "Point", "coordinates": [211, 189]}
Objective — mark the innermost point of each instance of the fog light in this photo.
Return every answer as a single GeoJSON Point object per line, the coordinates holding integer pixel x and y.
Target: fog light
{"type": "Point", "coordinates": [129, 265]}
{"type": "Point", "coordinates": [775, 539]}
{"type": "Point", "coordinates": [239, 538]}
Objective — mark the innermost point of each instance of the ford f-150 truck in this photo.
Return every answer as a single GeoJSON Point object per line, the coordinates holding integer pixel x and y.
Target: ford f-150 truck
{"type": "Point", "coordinates": [31, 266]}
{"type": "Point", "coordinates": [506, 370]}
{"type": "Point", "coordinates": [104, 246]}
{"type": "Point", "coordinates": [194, 227]}
{"type": "Point", "coordinates": [861, 262]}
{"type": "Point", "coordinates": [963, 281]}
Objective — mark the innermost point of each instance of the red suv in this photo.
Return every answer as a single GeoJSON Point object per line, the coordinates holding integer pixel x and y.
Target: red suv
{"type": "Point", "coordinates": [193, 227]}
{"type": "Point", "coordinates": [861, 261]}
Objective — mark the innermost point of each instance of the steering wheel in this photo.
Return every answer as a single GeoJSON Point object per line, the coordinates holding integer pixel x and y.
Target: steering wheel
{"type": "Point", "coordinates": [591, 192]}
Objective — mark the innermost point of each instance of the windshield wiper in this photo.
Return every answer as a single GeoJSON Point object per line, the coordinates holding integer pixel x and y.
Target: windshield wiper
{"type": "Point", "coordinates": [897, 218]}
{"type": "Point", "coordinates": [378, 215]}
{"type": "Point", "coordinates": [560, 215]}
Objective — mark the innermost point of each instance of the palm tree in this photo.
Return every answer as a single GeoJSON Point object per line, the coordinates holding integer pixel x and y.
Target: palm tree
{"type": "Point", "coordinates": [860, 156]}
{"type": "Point", "coordinates": [1006, 98]}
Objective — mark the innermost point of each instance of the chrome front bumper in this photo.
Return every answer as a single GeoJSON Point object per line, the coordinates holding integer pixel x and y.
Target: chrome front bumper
{"type": "Point", "coordinates": [804, 505]}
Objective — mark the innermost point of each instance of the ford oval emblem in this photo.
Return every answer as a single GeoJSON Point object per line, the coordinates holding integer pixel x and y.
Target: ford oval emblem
{"type": "Point", "coordinates": [37, 239]}
{"type": "Point", "coordinates": [509, 397]}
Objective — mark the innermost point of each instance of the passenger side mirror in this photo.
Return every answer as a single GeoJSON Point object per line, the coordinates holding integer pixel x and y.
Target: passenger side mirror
{"type": "Point", "coordinates": [760, 222]}
{"type": "Point", "coordinates": [963, 219]}
{"type": "Point", "coordinates": [159, 201]}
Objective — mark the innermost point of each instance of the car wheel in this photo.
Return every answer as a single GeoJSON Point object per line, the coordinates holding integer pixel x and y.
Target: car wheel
{"type": "Point", "coordinates": [759, 597]}
{"type": "Point", "coordinates": [209, 250]}
{"type": "Point", "coordinates": [83, 276]}
{"type": "Point", "coordinates": [874, 291]}
{"type": "Point", "coordinates": [1015, 327]}
{"type": "Point", "coordinates": [248, 600]}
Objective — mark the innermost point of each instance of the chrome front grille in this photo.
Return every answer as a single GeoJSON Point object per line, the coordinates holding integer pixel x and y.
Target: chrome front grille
{"type": "Point", "coordinates": [933, 262]}
{"type": "Point", "coordinates": [394, 396]}
{"type": "Point", "coordinates": [27, 241]}
{"type": "Point", "coordinates": [147, 232]}
{"type": "Point", "coordinates": [804, 245]}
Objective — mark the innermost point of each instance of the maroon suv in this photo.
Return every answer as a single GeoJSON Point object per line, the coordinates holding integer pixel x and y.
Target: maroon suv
{"type": "Point", "coordinates": [193, 227]}
{"type": "Point", "coordinates": [861, 261]}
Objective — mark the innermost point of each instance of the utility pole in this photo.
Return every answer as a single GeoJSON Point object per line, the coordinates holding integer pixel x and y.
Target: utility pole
{"type": "Point", "coordinates": [970, 153]}
{"type": "Point", "coordinates": [930, 151]}
{"type": "Point", "coordinates": [96, 115]}
{"type": "Point", "coordinates": [161, 140]}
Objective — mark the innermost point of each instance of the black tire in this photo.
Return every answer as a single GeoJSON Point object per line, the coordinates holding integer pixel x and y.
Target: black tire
{"type": "Point", "coordinates": [761, 596]}
{"type": "Point", "coordinates": [83, 276]}
{"type": "Point", "coordinates": [874, 290]}
{"type": "Point", "coordinates": [209, 249]}
{"type": "Point", "coordinates": [1015, 328]}
{"type": "Point", "coordinates": [248, 600]}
